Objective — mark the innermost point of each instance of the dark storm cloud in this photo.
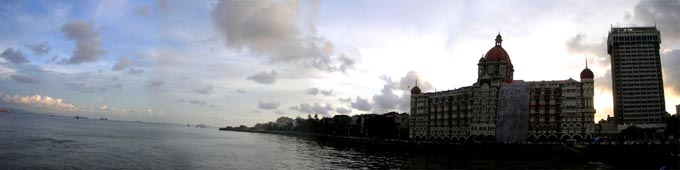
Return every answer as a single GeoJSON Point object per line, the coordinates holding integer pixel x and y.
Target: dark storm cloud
{"type": "Point", "coordinates": [14, 56]}
{"type": "Point", "coordinates": [122, 64]}
{"type": "Point", "coordinates": [207, 90]}
{"type": "Point", "coordinates": [362, 104]}
{"type": "Point", "coordinates": [271, 105]}
{"type": "Point", "coordinates": [88, 42]}
{"type": "Point", "coordinates": [40, 49]}
{"type": "Point", "coordinates": [665, 14]}
{"type": "Point", "coordinates": [269, 29]}
{"type": "Point", "coordinates": [264, 78]}
{"type": "Point", "coordinates": [24, 79]}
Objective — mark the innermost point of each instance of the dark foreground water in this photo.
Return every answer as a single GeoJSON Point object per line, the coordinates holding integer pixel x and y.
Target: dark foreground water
{"type": "Point", "coordinates": [29, 141]}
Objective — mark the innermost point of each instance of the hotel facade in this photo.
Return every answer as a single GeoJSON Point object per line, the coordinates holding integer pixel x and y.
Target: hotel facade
{"type": "Point", "coordinates": [637, 80]}
{"type": "Point", "coordinates": [498, 108]}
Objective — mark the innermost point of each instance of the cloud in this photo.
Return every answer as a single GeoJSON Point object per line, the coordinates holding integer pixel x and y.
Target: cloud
{"type": "Point", "coordinates": [278, 112]}
{"type": "Point", "coordinates": [181, 100]}
{"type": "Point", "coordinates": [316, 108]}
{"type": "Point", "coordinates": [664, 14]}
{"type": "Point", "coordinates": [41, 48]}
{"type": "Point", "coordinates": [39, 101]}
{"type": "Point", "coordinates": [362, 104]}
{"type": "Point", "coordinates": [207, 90]}
{"type": "Point", "coordinates": [294, 108]}
{"type": "Point", "coordinates": [315, 91]}
{"type": "Point", "coordinates": [327, 92]}
{"type": "Point", "coordinates": [118, 86]}
{"type": "Point", "coordinates": [269, 29]}
{"type": "Point", "coordinates": [88, 42]}
{"type": "Point", "coordinates": [14, 56]}
{"type": "Point", "coordinates": [671, 72]}
{"type": "Point", "coordinates": [81, 86]}
{"type": "Point", "coordinates": [343, 110]}
{"type": "Point", "coordinates": [345, 100]}
{"type": "Point", "coordinates": [268, 105]}
{"type": "Point", "coordinates": [240, 91]}
{"type": "Point", "coordinates": [135, 71]}
{"type": "Point", "coordinates": [312, 91]}
{"type": "Point", "coordinates": [598, 50]}
{"type": "Point", "coordinates": [198, 102]}
{"type": "Point", "coordinates": [122, 64]}
{"type": "Point", "coordinates": [157, 83]}
{"type": "Point", "coordinates": [24, 79]}
{"type": "Point", "coordinates": [388, 100]}
{"type": "Point", "coordinates": [264, 78]}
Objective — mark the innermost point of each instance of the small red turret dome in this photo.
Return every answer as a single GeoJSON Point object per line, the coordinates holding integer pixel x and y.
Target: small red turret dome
{"type": "Point", "coordinates": [587, 74]}
{"type": "Point", "coordinates": [415, 90]}
{"type": "Point", "coordinates": [497, 53]}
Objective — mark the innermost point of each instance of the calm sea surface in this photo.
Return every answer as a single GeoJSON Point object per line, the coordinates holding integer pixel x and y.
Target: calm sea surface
{"type": "Point", "coordinates": [30, 141]}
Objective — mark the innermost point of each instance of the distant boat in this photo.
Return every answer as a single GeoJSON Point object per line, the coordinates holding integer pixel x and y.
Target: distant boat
{"type": "Point", "coordinates": [80, 117]}
{"type": "Point", "coordinates": [103, 118]}
{"type": "Point", "coordinates": [201, 126]}
{"type": "Point", "coordinates": [5, 110]}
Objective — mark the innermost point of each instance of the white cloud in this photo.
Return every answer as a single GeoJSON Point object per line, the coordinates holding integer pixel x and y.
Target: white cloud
{"type": "Point", "coordinates": [39, 101]}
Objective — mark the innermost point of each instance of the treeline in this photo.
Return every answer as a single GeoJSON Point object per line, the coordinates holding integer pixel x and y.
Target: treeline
{"type": "Point", "coordinates": [390, 125]}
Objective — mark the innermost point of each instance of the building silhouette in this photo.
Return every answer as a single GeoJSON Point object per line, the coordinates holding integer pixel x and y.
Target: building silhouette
{"type": "Point", "coordinates": [636, 76]}
{"type": "Point", "coordinates": [557, 110]}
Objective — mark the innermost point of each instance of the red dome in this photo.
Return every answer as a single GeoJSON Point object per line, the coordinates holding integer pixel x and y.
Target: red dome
{"type": "Point", "coordinates": [497, 53]}
{"type": "Point", "coordinates": [586, 74]}
{"type": "Point", "coordinates": [415, 90]}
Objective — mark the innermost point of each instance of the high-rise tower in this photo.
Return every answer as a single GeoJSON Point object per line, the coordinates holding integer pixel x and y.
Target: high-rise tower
{"type": "Point", "coordinates": [636, 75]}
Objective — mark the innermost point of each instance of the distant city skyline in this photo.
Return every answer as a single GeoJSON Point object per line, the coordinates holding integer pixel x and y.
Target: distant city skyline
{"type": "Point", "coordinates": [244, 62]}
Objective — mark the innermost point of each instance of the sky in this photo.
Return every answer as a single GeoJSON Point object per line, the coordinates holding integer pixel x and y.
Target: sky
{"type": "Point", "coordinates": [230, 63]}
